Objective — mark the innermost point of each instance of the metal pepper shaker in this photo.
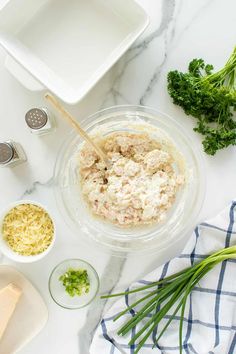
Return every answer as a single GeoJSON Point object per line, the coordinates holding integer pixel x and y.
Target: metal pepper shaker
{"type": "Point", "coordinates": [40, 121]}
{"type": "Point", "coordinates": [11, 154]}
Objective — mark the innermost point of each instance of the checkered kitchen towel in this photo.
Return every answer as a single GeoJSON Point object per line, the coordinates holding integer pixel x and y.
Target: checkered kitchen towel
{"type": "Point", "coordinates": [210, 315]}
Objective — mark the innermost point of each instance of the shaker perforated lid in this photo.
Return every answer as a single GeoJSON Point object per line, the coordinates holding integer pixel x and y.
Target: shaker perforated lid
{"type": "Point", "coordinates": [6, 153]}
{"type": "Point", "coordinates": [36, 118]}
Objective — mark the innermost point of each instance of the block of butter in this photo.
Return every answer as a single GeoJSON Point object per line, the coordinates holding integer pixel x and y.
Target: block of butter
{"type": "Point", "coordinates": [9, 297]}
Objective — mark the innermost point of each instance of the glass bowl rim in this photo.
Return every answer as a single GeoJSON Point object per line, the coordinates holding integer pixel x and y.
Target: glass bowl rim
{"type": "Point", "coordinates": [111, 112]}
{"type": "Point", "coordinates": [94, 272]}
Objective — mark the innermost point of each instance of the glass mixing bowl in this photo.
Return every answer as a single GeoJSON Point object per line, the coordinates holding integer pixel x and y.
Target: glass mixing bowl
{"type": "Point", "coordinates": [157, 237]}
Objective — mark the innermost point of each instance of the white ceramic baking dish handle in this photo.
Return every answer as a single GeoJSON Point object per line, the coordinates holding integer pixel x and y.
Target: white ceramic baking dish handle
{"type": "Point", "coordinates": [16, 69]}
{"type": "Point", "coordinates": [23, 76]}
{"type": "Point", "coordinates": [25, 58]}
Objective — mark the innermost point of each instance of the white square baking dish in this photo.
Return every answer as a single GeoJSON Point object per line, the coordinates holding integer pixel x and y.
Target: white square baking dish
{"type": "Point", "coordinates": [66, 46]}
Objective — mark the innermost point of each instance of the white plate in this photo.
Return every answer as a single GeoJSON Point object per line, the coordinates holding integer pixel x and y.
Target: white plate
{"type": "Point", "coordinates": [29, 317]}
{"type": "Point", "coordinates": [67, 46]}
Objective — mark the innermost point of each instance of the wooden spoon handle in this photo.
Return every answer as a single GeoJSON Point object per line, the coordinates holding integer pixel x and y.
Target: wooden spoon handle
{"type": "Point", "coordinates": [56, 104]}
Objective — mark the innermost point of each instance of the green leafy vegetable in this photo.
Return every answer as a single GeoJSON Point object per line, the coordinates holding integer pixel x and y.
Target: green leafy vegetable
{"type": "Point", "coordinates": [75, 281]}
{"type": "Point", "coordinates": [209, 97]}
{"type": "Point", "coordinates": [170, 293]}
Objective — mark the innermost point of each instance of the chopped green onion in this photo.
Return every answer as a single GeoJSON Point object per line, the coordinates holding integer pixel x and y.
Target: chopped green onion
{"type": "Point", "coordinates": [75, 281]}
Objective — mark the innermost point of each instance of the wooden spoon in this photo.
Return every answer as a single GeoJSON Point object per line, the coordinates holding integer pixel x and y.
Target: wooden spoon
{"type": "Point", "coordinates": [57, 105]}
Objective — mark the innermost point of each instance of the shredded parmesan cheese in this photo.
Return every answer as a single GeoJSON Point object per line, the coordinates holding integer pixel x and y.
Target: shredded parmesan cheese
{"type": "Point", "coordinates": [28, 229]}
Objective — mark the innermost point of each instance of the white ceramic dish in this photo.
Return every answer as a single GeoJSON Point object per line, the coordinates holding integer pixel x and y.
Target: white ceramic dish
{"type": "Point", "coordinates": [30, 316]}
{"type": "Point", "coordinates": [67, 46]}
{"type": "Point", "coordinates": [7, 251]}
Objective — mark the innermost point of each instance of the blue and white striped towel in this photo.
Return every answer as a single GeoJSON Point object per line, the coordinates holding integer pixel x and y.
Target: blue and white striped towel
{"type": "Point", "coordinates": [210, 316]}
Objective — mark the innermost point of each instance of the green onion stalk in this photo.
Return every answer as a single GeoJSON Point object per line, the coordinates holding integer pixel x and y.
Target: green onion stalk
{"type": "Point", "coordinates": [168, 294]}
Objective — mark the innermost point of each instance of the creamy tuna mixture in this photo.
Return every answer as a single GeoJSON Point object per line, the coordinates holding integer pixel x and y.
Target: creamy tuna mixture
{"type": "Point", "coordinates": [139, 187]}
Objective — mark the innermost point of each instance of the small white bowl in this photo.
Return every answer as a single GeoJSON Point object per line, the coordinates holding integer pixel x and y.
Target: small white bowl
{"type": "Point", "coordinates": [7, 251]}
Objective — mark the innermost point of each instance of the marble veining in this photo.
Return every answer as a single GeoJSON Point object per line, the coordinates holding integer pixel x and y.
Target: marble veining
{"type": "Point", "coordinates": [108, 280]}
{"type": "Point", "coordinates": [30, 190]}
{"type": "Point", "coordinates": [167, 16]}
{"type": "Point", "coordinates": [179, 31]}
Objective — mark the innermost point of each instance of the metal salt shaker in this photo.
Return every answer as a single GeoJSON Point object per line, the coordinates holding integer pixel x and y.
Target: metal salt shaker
{"type": "Point", "coordinates": [11, 154]}
{"type": "Point", "coordinates": [40, 121]}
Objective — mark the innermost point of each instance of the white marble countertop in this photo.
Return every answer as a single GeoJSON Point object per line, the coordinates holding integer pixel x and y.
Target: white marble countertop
{"type": "Point", "coordinates": [179, 31]}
